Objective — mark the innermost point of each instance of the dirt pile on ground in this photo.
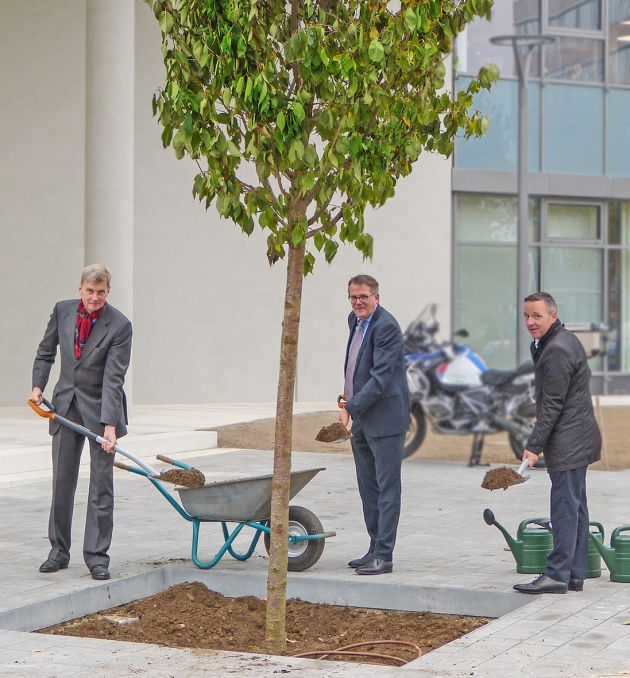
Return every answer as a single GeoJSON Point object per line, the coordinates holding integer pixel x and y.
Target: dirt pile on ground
{"type": "Point", "coordinates": [190, 615]}
{"type": "Point", "coordinates": [501, 478]}
{"type": "Point", "coordinates": [193, 478]}
{"type": "Point", "coordinates": [614, 422]}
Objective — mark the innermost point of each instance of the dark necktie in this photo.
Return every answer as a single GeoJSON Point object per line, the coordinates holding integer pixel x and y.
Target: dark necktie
{"type": "Point", "coordinates": [353, 354]}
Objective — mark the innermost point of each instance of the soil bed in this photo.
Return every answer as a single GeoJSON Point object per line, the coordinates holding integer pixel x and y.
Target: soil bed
{"type": "Point", "coordinates": [190, 615]}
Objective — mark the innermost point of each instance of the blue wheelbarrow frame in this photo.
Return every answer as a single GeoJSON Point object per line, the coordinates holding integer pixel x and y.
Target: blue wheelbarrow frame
{"type": "Point", "coordinates": [246, 502]}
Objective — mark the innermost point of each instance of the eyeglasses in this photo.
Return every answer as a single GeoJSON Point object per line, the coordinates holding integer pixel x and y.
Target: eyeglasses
{"type": "Point", "coordinates": [354, 298]}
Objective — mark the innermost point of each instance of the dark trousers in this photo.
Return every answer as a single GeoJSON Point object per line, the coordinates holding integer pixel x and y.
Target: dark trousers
{"type": "Point", "coordinates": [378, 462]}
{"type": "Point", "coordinates": [569, 521]}
{"type": "Point", "coordinates": [99, 522]}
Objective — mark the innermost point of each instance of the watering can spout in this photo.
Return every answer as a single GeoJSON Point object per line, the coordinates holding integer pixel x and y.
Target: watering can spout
{"type": "Point", "coordinates": [516, 546]}
{"type": "Point", "coordinates": [607, 553]}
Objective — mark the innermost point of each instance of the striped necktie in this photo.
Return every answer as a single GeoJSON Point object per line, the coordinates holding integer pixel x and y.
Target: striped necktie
{"type": "Point", "coordinates": [353, 354]}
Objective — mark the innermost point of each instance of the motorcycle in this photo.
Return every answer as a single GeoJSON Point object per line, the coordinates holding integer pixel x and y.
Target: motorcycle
{"type": "Point", "coordinates": [451, 387]}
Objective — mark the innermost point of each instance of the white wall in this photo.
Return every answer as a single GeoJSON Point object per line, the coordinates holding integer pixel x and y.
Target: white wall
{"type": "Point", "coordinates": [207, 308]}
{"type": "Point", "coordinates": [42, 150]}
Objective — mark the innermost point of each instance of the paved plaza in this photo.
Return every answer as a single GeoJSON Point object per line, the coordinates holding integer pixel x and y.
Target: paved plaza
{"type": "Point", "coordinates": [443, 544]}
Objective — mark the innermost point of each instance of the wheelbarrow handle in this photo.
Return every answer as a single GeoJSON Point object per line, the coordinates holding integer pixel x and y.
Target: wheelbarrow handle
{"type": "Point", "coordinates": [82, 430]}
{"type": "Point", "coordinates": [131, 469]}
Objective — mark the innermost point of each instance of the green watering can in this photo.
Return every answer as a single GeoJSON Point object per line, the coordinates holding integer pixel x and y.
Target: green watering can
{"type": "Point", "coordinates": [617, 556]}
{"type": "Point", "coordinates": [532, 544]}
{"type": "Point", "coordinates": [534, 541]}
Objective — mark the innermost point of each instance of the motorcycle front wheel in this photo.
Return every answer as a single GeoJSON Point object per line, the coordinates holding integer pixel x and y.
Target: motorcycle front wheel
{"type": "Point", "coordinates": [517, 448]}
{"type": "Point", "coordinates": [416, 432]}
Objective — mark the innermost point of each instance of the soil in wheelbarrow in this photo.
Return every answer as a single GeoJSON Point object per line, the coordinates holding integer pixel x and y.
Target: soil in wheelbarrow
{"type": "Point", "coordinates": [190, 615]}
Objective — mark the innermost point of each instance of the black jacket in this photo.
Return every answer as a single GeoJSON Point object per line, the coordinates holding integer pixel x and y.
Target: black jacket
{"type": "Point", "coordinates": [565, 430]}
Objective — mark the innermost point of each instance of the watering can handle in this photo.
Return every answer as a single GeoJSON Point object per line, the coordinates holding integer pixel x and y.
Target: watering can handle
{"type": "Point", "coordinates": [599, 526]}
{"type": "Point", "coordinates": [543, 522]}
{"type": "Point", "coordinates": [617, 530]}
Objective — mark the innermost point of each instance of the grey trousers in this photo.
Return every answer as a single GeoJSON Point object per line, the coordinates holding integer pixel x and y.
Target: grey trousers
{"type": "Point", "coordinates": [99, 522]}
{"type": "Point", "coordinates": [378, 463]}
{"type": "Point", "coordinates": [569, 522]}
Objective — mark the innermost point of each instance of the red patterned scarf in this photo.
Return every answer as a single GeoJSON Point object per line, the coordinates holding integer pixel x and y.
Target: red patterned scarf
{"type": "Point", "coordinates": [83, 327]}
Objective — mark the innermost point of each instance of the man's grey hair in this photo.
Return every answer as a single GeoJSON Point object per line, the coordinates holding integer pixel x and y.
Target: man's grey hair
{"type": "Point", "coordinates": [96, 273]}
{"type": "Point", "coordinates": [364, 279]}
{"type": "Point", "coordinates": [550, 302]}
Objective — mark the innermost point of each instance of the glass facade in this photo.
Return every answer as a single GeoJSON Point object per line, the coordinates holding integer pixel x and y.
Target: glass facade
{"type": "Point", "coordinates": [578, 126]}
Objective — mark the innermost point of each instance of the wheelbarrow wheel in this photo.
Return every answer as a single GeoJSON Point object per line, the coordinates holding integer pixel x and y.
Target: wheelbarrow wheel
{"type": "Point", "coordinates": [302, 554]}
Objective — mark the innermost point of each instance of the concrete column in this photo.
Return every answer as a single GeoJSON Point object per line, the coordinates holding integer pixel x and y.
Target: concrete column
{"type": "Point", "coordinates": [109, 169]}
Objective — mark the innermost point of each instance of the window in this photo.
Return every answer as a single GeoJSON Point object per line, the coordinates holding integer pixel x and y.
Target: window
{"type": "Point", "coordinates": [573, 222]}
{"type": "Point", "coordinates": [576, 59]}
{"type": "Point", "coordinates": [619, 42]}
{"type": "Point", "coordinates": [583, 15]}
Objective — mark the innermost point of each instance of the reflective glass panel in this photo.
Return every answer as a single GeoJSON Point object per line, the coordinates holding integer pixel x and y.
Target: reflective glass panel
{"type": "Point", "coordinates": [619, 42]}
{"type": "Point", "coordinates": [576, 59]}
{"type": "Point", "coordinates": [619, 223]}
{"type": "Point", "coordinates": [585, 15]}
{"type": "Point", "coordinates": [619, 132]}
{"type": "Point", "coordinates": [492, 218]}
{"type": "Point", "coordinates": [575, 278]}
{"type": "Point", "coordinates": [473, 45]}
{"type": "Point", "coordinates": [487, 309]}
{"type": "Point", "coordinates": [574, 129]}
{"type": "Point", "coordinates": [619, 309]}
{"type": "Point", "coordinates": [575, 222]}
{"type": "Point", "coordinates": [497, 149]}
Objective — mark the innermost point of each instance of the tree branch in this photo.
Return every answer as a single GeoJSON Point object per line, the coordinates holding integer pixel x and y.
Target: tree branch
{"type": "Point", "coordinates": [324, 227]}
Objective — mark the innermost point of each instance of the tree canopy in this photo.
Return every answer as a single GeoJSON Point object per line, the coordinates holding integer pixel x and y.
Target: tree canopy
{"type": "Point", "coordinates": [331, 102]}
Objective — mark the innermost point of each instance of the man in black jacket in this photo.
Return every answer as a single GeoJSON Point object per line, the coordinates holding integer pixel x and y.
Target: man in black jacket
{"type": "Point", "coordinates": [566, 431]}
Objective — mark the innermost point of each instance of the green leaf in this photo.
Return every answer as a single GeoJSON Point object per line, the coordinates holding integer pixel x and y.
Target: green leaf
{"type": "Point", "coordinates": [297, 236]}
{"type": "Point", "coordinates": [324, 57]}
{"type": "Point", "coordinates": [227, 97]}
{"type": "Point", "coordinates": [376, 51]}
{"type": "Point", "coordinates": [166, 22]}
{"type": "Point", "coordinates": [298, 111]}
{"type": "Point", "coordinates": [233, 149]}
{"type": "Point", "coordinates": [281, 121]}
{"type": "Point", "coordinates": [411, 20]}
{"type": "Point", "coordinates": [319, 240]}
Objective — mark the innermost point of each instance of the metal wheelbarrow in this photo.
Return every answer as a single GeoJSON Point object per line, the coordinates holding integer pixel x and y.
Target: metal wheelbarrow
{"type": "Point", "coordinates": [246, 502]}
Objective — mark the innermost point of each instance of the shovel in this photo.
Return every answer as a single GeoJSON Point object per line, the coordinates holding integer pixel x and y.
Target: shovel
{"type": "Point", "coordinates": [182, 479]}
{"type": "Point", "coordinates": [503, 477]}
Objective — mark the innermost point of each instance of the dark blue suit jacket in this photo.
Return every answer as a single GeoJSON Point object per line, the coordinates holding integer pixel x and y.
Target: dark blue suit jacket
{"type": "Point", "coordinates": [380, 404]}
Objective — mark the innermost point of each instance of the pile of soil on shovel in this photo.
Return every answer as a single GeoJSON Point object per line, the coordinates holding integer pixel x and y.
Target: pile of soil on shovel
{"type": "Point", "coordinates": [332, 433]}
{"type": "Point", "coordinates": [500, 478]}
{"type": "Point", "coordinates": [190, 615]}
{"type": "Point", "coordinates": [193, 478]}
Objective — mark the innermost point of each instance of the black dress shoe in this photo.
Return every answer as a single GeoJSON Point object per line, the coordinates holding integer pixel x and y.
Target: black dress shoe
{"type": "Point", "coordinates": [376, 566]}
{"type": "Point", "coordinates": [542, 584]}
{"type": "Point", "coordinates": [359, 562]}
{"type": "Point", "coordinates": [576, 584]}
{"type": "Point", "coordinates": [100, 572]}
{"type": "Point", "coordinates": [52, 565]}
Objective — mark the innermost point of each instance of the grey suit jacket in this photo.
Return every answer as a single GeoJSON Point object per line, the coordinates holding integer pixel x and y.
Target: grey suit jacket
{"type": "Point", "coordinates": [380, 404]}
{"type": "Point", "coordinates": [96, 379]}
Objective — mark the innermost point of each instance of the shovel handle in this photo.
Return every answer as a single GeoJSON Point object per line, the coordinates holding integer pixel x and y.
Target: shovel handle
{"type": "Point", "coordinates": [523, 466]}
{"type": "Point", "coordinates": [174, 462]}
{"type": "Point", "coordinates": [38, 410]}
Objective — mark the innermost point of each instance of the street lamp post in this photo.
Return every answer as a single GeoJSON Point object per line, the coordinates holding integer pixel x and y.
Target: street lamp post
{"type": "Point", "coordinates": [522, 62]}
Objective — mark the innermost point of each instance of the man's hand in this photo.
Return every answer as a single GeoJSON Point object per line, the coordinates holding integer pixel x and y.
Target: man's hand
{"type": "Point", "coordinates": [343, 417]}
{"type": "Point", "coordinates": [531, 457]}
{"type": "Point", "coordinates": [110, 439]}
{"type": "Point", "coordinates": [37, 396]}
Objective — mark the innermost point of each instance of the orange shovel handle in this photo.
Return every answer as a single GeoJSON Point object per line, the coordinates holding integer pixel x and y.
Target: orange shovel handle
{"type": "Point", "coordinates": [38, 410]}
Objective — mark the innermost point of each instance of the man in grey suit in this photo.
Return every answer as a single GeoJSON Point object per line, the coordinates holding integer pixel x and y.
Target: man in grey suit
{"type": "Point", "coordinates": [94, 341]}
{"type": "Point", "coordinates": [376, 397]}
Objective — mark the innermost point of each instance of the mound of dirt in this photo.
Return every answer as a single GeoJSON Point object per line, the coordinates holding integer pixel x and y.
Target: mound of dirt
{"type": "Point", "coordinates": [501, 478]}
{"type": "Point", "coordinates": [190, 615]}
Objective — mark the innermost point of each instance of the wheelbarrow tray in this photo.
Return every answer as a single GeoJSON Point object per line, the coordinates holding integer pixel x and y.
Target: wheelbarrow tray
{"type": "Point", "coordinates": [240, 499]}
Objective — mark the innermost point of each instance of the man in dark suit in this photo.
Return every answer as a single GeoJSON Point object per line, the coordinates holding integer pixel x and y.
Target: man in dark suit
{"type": "Point", "coordinates": [566, 431]}
{"type": "Point", "coordinates": [94, 341]}
{"type": "Point", "coordinates": [376, 397]}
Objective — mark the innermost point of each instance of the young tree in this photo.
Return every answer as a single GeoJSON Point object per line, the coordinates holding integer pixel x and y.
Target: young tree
{"type": "Point", "coordinates": [300, 114]}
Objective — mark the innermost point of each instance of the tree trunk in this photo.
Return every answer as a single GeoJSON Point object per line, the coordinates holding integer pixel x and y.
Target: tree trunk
{"type": "Point", "coordinates": [275, 634]}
